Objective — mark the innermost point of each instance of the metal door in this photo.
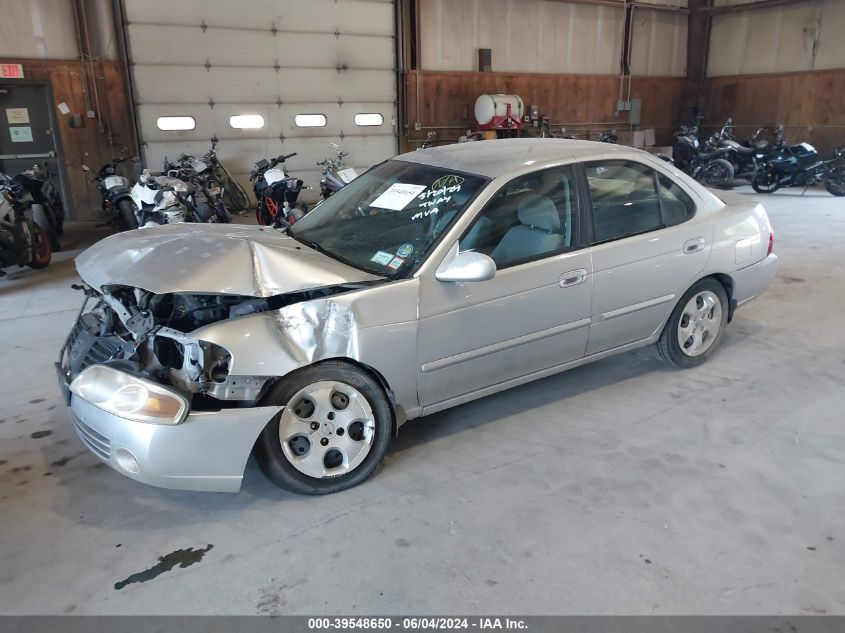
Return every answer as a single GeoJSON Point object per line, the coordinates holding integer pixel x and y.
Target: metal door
{"type": "Point", "coordinates": [26, 130]}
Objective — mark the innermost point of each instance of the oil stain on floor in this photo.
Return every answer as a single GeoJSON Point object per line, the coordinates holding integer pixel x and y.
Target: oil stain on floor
{"type": "Point", "coordinates": [181, 557]}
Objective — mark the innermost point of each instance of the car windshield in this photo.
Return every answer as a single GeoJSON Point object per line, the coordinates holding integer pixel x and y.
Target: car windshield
{"type": "Point", "coordinates": [386, 220]}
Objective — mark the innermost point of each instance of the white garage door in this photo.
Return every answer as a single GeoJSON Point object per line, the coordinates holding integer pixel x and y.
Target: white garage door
{"type": "Point", "coordinates": [215, 59]}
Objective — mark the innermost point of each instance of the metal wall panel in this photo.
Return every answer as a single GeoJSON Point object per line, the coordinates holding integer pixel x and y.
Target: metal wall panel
{"type": "Point", "coordinates": [549, 36]}
{"type": "Point", "coordinates": [37, 29]}
{"type": "Point", "coordinates": [212, 59]}
{"type": "Point", "coordinates": [803, 37]}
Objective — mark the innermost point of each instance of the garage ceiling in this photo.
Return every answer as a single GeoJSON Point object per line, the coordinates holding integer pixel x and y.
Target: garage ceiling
{"type": "Point", "coordinates": [212, 59]}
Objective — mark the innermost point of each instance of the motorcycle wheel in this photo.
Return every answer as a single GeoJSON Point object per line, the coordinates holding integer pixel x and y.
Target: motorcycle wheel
{"type": "Point", "coordinates": [835, 182]}
{"type": "Point", "coordinates": [126, 218]}
{"type": "Point", "coordinates": [233, 194]}
{"type": "Point", "coordinates": [41, 252]}
{"type": "Point", "coordinates": [765, 181]}
{"type": "Point", "coordinates": [42, 219]}
{"type": "Point", "coordinates": [262, 215]}
{"type": "Point", "coordinates": [717, 173]}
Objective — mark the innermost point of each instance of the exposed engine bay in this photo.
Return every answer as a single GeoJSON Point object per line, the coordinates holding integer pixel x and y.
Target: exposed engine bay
{"type": "Point", "coordinates": [148, 334]}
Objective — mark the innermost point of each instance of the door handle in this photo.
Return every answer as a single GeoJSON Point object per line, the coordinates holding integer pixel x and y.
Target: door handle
{"type": "Point", "coordinates": [573, 278]}
{"type": "Point", "coordinates": [694, 245]}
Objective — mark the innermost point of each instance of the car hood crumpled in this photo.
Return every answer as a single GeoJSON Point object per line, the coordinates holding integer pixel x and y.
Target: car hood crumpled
{"type": "Point", "coordinates": [214, 259]}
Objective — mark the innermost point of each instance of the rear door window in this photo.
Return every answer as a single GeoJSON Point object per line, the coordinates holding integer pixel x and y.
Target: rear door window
{"type": "Point", "coordinates": [624, 197]}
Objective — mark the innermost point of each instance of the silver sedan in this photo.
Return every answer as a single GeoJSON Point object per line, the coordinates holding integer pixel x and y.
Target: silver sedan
{"type": "Point", "coordinates": [433, 279]}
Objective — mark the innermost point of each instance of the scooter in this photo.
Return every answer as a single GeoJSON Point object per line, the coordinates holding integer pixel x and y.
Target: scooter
{"type": "Point", "coordinates": [802, 166]}
{"type": "Point", "coordinates": [335, 176]}
{"type": "Point", "coordinates": [23, 242]}
{"type": "Point", "coordinates": [118, 205]}
{"type": "Point", "coordinates": [276, 192]}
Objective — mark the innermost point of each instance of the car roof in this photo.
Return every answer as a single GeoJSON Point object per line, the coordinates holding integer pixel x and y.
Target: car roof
{"type": "Point", "coordinates": [501, 156]}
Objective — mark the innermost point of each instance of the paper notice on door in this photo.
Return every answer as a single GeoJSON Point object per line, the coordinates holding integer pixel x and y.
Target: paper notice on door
{"type": "Point", "coordinates": [397, 196]}
{"type": "Point", "coordinates": [21, 134]}
{"type": "Point", "coordinates": [63, 108]}
{"type": "Point", "coordinates": [16, 116]}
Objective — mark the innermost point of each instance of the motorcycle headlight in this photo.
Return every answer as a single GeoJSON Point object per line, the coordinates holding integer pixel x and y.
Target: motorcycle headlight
{"type": "Point", "coordinates": [129, 396]}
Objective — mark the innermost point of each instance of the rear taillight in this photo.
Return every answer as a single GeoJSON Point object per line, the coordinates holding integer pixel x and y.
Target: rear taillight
{"type": "Point", "coordinates": [771, 241]}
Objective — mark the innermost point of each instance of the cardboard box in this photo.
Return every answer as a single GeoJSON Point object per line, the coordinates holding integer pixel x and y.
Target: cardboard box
{"type": "Point", "coordinates": [637, 138]}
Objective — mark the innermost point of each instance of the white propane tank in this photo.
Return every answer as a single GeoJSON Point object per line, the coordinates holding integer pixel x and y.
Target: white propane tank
{"type": "Point", "coordinates": [496, 105]}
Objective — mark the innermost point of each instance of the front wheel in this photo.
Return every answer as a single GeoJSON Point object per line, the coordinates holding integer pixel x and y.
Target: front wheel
{"type": "Point", "coordinates": [41, 254]}
{"type": "Point", "coordinates": [42, 219]}
{"type": "Point", "coordinates": [765, 181]}
{"type": "Point", "coordinates": [126, 218]}
{"type": "Point", "coordinates": [835, 182]}
{"type": "Point", "coordinates": [331, 435]}
{"type": "Point", "coordinates": [696, 325]}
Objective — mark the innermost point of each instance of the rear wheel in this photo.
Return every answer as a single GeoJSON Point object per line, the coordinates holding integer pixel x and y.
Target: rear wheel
{"type": "Point", "coordinates": [126, 218]}
{"type": "Point", "coordinates": [332, 433]}
{"type": "Point", "coordinates": [696, 325]}
{"type": "Point", "coordinates": [835, 182]}
{"type": "Point", "coordinates": [765, 181]}
{"type": "Point", "coordinates": [717, 173]}
{"type": "Point", "coordinates": [41, 252]}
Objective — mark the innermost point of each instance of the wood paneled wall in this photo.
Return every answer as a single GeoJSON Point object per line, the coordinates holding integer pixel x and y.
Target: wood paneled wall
{"type": "Point", "coordinates": [810, 104]}
{"type": "Point", "coordinates": [584, 104]}
{"type": "Point", "coordinates": [97, 140]}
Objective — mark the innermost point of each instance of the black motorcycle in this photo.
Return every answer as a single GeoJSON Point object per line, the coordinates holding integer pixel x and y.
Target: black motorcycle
{"type": "Point", "coordinates": [801, 166]}
{"type": "Point", "coordinates": [709, 167]}
{"type": "Point", "coordinates": [209, 167]}
{"type": "Point", "coordinates": [119, 208]}
{"type": "Point", "coordinates": [276, 192]}
{"type": "Point", "coordinates": [747, 157]}
{"type": "Point", "coordinates": [23, 242]}
{"type": "Point", "coordinates": [608, 136]}
{"type": "Point", "coordinates": [206, 192]}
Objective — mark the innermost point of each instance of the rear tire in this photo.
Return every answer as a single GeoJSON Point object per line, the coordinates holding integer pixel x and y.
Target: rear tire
{"type": "Point", "coordinates": [718, 173]}
{"type": "Point", "coordinates": [835, 182]}
{"type": "Point", "coordinates": [696, 325]}
{"type": "Point", "coordinates": [336, 425]}
{"type": "Point", "coordinates": [126, 218]}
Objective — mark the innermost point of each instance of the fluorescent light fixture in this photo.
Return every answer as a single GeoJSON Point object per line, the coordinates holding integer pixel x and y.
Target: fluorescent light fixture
{"type": "Point", "coordinates": [368, 118]}
{"type": "Point", "coordinates": [173, 123]}
{"type": "Point", "coordinates": [246, 121]}
{"type": "Point", "coordinates": [310, 120]}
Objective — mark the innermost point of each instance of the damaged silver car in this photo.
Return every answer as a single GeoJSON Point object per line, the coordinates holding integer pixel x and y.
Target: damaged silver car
{"type": "Point", "coordinates": [433, 279]}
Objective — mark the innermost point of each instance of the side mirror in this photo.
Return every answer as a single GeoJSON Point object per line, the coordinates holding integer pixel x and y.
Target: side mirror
{"type": "Point", "coordinates": [468, 266]}
{"type": "Point", "coordinates": [86, 168]}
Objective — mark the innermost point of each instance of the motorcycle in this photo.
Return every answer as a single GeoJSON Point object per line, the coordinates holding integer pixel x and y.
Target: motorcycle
{"type": "Point", "coordinates": [801, 166]}
{"type": "Point", "coordinates": [23, 242]}
{"type": "Point", "coordinates": [42, 196]}
{"type": "Point", "coordinates": [276, 192]}
{"type": "Point", "coordinates": [711, 168]}
{"type": "Point", "coordinates": [207, 194]}
{"type": "Point", "coordinates": [209, 167]}
{"type": "Point", "coordinates": [160, 199]}
{"type": "Point", "coordinates": [429, 140]}
{"type": "Point", "coordinates": [335, 176]}
{"type": "Point", "coordinates": [118, 205]}
{"type": "Point", "coordinates": [608, 136]}
{"type": "Point", "coordinates": [747, 157]}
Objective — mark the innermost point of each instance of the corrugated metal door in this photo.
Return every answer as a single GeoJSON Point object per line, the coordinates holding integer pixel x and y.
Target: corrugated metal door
{"type": "Point", "coordinates": [214, 59]}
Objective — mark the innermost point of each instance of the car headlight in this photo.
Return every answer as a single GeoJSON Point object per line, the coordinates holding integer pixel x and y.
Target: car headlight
{"type": "Point", "coordinates": [129, 396]}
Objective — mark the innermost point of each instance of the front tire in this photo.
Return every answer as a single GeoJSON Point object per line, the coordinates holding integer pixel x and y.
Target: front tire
{"type": "Point", "coordinates": [41, 254]}
{"type": "Point", "coordinates": [718, 173]}
{"type": "Point", "coordinates": [126, 218]}
{"type": "Point", "coordinates": [696, 325]}
{"type": "Point", "coordinates": [331, 435]}
{"type": "Point", "coordinates": [765, 181]}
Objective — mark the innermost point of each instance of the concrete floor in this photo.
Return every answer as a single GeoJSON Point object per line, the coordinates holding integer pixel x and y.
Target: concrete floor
{"type": "Point", "coordinates": [621, 487]}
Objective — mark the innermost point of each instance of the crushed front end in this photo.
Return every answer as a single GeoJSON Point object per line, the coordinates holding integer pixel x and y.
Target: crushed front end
{"type": "Point", "coordinates": [151, 401]}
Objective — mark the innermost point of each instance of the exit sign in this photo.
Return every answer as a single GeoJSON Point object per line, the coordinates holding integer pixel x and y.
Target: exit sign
{"type": "Point", "coordinates": [11, 71]}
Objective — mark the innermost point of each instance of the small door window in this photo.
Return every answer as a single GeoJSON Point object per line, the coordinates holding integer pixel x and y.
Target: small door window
{"type": "Point", "coordinates": [310, 120]}
{"type": "Point", "coordinates": [675, 203]}
{"type": "Point", "coordinates": [246, 121]}
{"type": "Point", "coordinates": [363, 119]}
{"type": "Point", "coordinates": [624, 197]}
{"type": "Point", "coordinates": [174, 123]}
